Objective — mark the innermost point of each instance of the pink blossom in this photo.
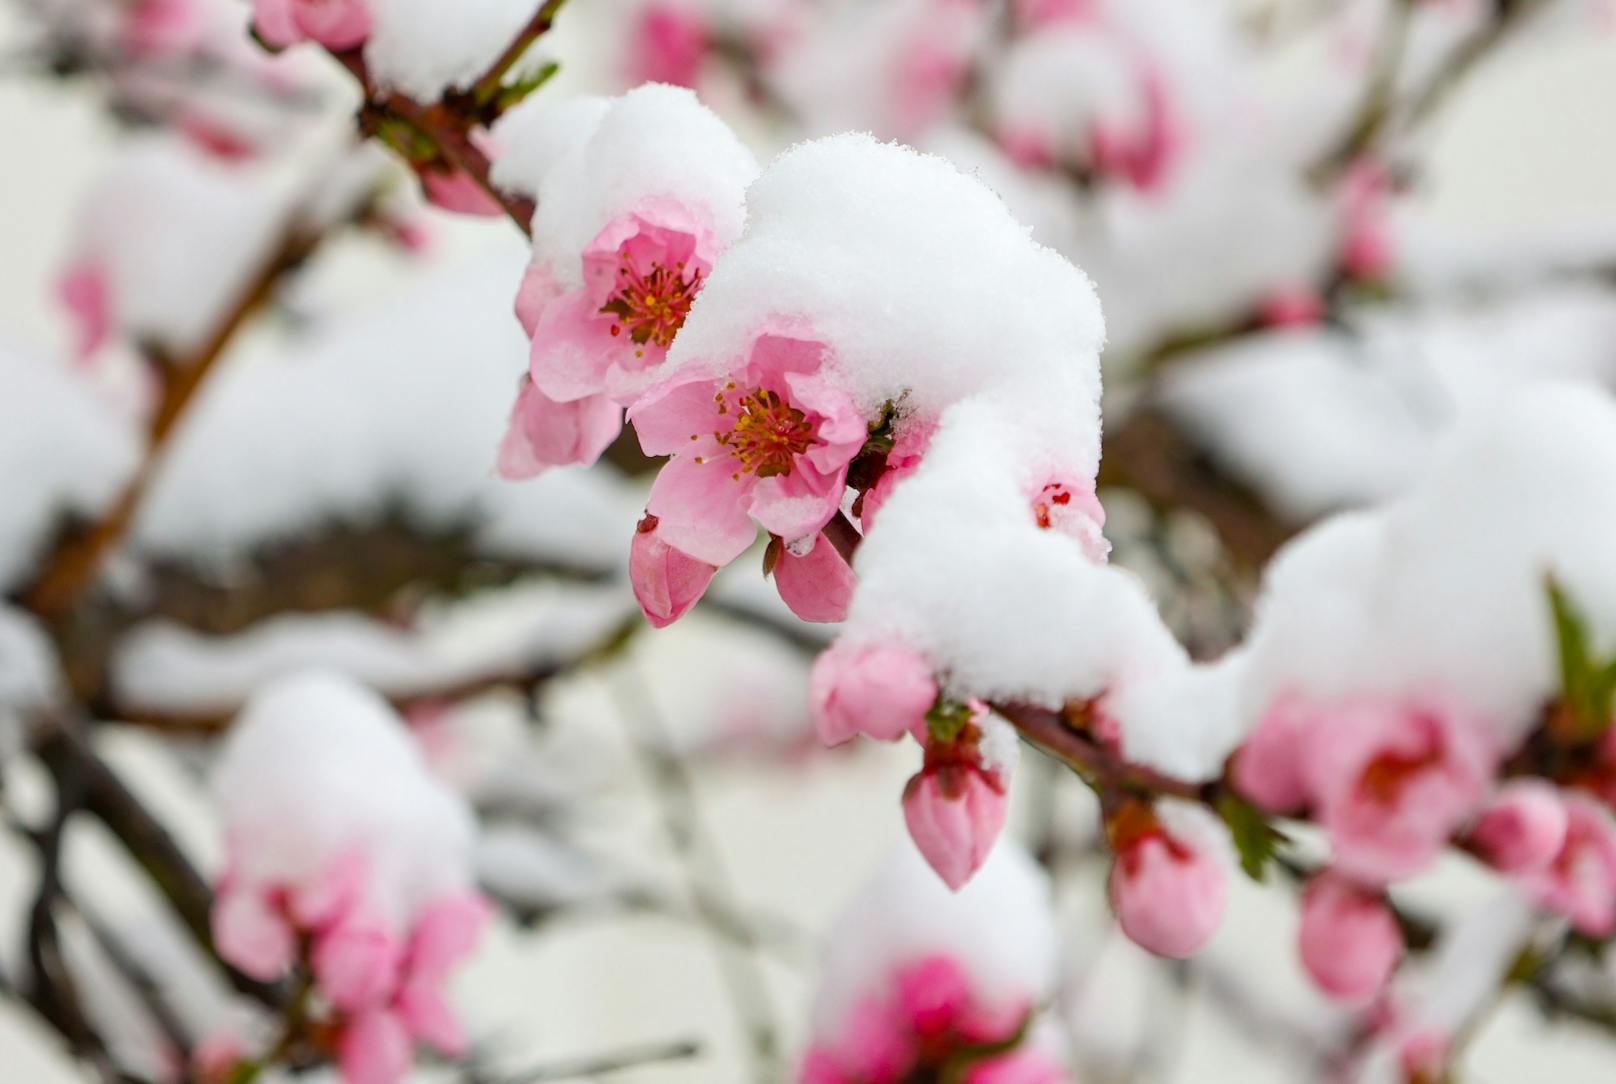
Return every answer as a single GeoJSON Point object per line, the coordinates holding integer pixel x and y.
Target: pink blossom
{"type": "Point", "coordinates": [1392, 783]}
{"type": "Point", "coordinates": [929, 1017]}
{"type": "Point", "coordinates": [1071, 508]}
{"type": "Point", "coordinates": [458, 191]}
{"type": "Point", "coordinates": [1580, 882]}
{"type": "Point", "coordinates": [336, 24]}
{"type": "Point", "coordinates": [954, 813]}
{"type": "Point", "coordinates": [251, 933]}
{"type": "Point", "coordinates": [1423, 1056]}
{"type": "Point", "coordinates": [1167, 890]}
{"type": "Point", "coordinates": [1037, 13]}
{"type": "Point", "coordinates": [641, 273]}
{"type": "Point", "coordinates": [908, 447]}
{"type": "Point", "coordinates": [881, 689]}
{"type": "Point", "coordinates": [356, 964]}
{"type": "Point", "coordinates": [932, 65]}
{"type": "Point", "coordinates": [1142, 154]}
{"type": "Point", "coordinates": [373, 1048]}
{"type": "Point", "coordinates": [667, 582]}
{"type": "Point", "coordinates": [445, 933]}
{"type": "Point", "coordinates": [1267, 768]}
{"type": "Point", "coordinates": [544, 433]}
{"type": "Point", "coordinates": [1522, 828]}
{"type": "Point", "coordinates": [1349, 941]}
{"type": "Point", "coordinates": [667, 44]}
{"type": "Point", "coordinates": [84, 292]}
{"type": "Point", "coordinates": [164, 26]}
{"type": "Point", "coordinates": [818, 586]}
{"type": "Point", "coordinates": [771, 442]}
{"type": "Point", "coordinates": [426, 1015]}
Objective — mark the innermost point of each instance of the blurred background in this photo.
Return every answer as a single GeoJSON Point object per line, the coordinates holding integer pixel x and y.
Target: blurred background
{"type": "Point", "coordinates": [1297, 309]}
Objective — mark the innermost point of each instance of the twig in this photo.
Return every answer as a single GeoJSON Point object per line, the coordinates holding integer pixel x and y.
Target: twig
{"type": "Point", "coordinates": [71, 569]}
{"type": "Point", "coordinates": [709, 882]}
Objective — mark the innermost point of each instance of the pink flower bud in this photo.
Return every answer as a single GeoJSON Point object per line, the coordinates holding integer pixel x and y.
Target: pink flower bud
{"type": "Point", "coordinates": [544, 433]}
{"type": "Point", "coordinates": [356, 964]}
{"type": "Point", "coordinates": [251, 935]}
{"type": "Point", "coordinates": [374, 1048]}
{"type": "Point", "coordinates": [954, 814]}
{"type": "Point", "coordinates": [1523, 829]}
{"type": "Point", "coordinates": [1168, 890]}
{"type": "Point", "coordinates": [1580, 882]}
{"type": "Point", "coordinates": [458, 191]}
{"type": "Point", "coordinates": [818, 586]}
{"type": "Point", "coordinates": [878, 689]}
{"type": "Point", "coordinates": [667, 582]}
{"type": "Point", "coordinates": [1349, 940]}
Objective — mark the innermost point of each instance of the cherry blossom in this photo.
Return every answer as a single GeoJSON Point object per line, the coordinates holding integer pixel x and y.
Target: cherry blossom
{"type": "Point", "coordinates": [767, 440]}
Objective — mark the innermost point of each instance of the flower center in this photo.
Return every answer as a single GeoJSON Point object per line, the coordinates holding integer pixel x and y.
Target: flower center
{"type": "Point", "coordinates": [769, 432]}
{"type": "Point", "coordinates": [1054, 495]}
{"type": "Point", "coordinates": [651, 307]}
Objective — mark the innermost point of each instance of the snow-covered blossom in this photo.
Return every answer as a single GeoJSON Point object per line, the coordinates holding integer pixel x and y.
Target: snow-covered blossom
{"type": "Point", "coordinates": [637, 196]}
{"type": "Point", "coordinates": [340, 840]}
{"type": "Point", "coordinates": [1170, 878]}
{"type": "Point", "coordinates": [1348, 940]}
{"type": "Point", "coordinates": [918, 978]}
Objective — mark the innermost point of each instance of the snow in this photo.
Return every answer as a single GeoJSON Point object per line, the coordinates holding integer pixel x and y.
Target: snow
{"type": "Point", "coordinates": [999, 928]}
{"type": "Point", "coordinates": [317, 767]}
{"type": "Point", "coordinates": [427, 47]}
{"type": "Point", "coordinates": [400, 406]}
{"type": "Point", "coordinates": [917, 277]}
{"type": "Point", "coordinates": [63, 453]}
{"type": "Point", "coordinates": [179, 236]}
{"type": "Point", "coordinates": [518, 631]}
{"type": "Point", "coordinates": [594, 161]}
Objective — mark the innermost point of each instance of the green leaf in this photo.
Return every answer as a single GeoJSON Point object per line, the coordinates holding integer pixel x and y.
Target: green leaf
{"type": "Point", "coordinates": [946, 719]}
{"type": "Point", "coordinates": [513, 94]}
{"type": "Point", "coordinates": [1254, 838]}
{"type": "Point", "coordinates": [1587, 684]}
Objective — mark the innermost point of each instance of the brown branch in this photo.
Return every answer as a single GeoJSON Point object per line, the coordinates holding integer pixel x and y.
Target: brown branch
{"type": "Point", "coordinates": [71, 570]}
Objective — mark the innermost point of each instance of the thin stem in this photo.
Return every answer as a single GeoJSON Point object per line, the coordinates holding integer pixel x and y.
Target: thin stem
{"type": "Point", "coordinates": [712, 892]}
{"type": "Point", "coordinates": [487, 88]}
{"type": "Point", "coordinates": [635, 1057]}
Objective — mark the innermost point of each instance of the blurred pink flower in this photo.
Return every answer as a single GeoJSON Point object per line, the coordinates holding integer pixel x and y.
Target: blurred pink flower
{"type": "Point", "coordinates": [83, 290]}
{"type": "Point", "coordinates": [667, 44]}
{"type": "Point", "coordinates": [336, 24]}
{"type": "Point", "coordinates": [1348, 940]}
{"type": "Point", "coordinates": [1580, 882]}
{"type": "Point", "coordinates": [1522, 828]}
{"type": "Point", "coordinates": [1391, 783]}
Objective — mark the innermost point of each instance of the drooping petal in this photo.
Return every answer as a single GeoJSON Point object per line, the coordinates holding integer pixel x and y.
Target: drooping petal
{"type": "Point", "coordinates": [699, 510]}
{"type": "Point", "coordinates": [818, 586]}
{"type": "Point", "coordinates": [543, 433]}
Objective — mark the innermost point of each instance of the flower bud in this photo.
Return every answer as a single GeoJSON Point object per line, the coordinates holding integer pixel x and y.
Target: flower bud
{"type": "Point", "coordinates": [1522, 829]}
{"type": "Point", "coordinates": [1349, 941]}
{"type": "Point", "coordinates": [1168, 884]}
{"type": "Point", "coordinates": [667, 582]}
{"type": "Point", "coordinates": [878, 689]}
{"type": "Point", "coordinates": [954, 813]}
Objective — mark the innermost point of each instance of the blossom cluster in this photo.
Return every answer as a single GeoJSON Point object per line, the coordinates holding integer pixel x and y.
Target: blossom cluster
{"type": "Point", "coordinates": [364, 893]}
